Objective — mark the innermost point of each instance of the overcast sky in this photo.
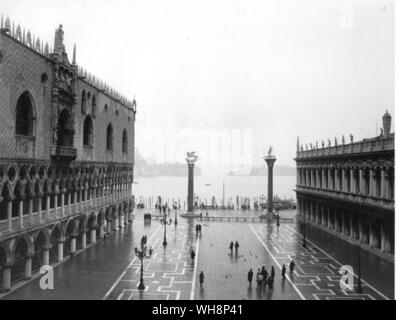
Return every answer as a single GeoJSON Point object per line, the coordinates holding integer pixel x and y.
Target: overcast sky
{"type": "Point", "coordinates": [278, 69]}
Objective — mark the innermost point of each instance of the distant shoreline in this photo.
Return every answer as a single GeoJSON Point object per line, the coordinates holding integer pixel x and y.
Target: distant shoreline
{"type": "Point", "coordinates": [227, 175]}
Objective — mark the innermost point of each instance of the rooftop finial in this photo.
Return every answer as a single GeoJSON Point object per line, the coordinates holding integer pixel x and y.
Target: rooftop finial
{"type": "Point", "coordinates": [74, 55]}
{"type": "Point", "coordinates": [59, 47]}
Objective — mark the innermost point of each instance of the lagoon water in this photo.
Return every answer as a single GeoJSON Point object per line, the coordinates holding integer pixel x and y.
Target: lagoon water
{"type": "Point", "coordinates": [207, 186]}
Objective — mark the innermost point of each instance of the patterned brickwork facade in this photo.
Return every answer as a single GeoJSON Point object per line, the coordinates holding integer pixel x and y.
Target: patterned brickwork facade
{"type": "Point", "coordinates": [65, 178]}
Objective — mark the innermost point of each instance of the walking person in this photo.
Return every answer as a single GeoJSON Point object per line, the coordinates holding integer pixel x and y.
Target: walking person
{"type": "Point", "coordinates": [236, 246]}
{"type": "Point", "coordinates": [272, 272]}
{"type": "Point", "coordinates": [231, 246]}
{"type": "Point", "coordinates": [201, 278]}
{"type": "Point", "coordinates": [192, 255]}
{"type": "Point", "coordinates": [291, 267]}
{"type": "Point", "coordinates": [250, 277]}
{"type": "Point", "coordinates": [283, 272]}
{"type": "Point", "coordinates": [259, 278]}
{"type": "Point", "coordinates": [270, 282]}
{"type": "Point", "coordinates": [265, 274]}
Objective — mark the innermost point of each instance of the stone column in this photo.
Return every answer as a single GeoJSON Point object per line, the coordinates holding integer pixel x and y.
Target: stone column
{"type": "Point", "coordinates": [81, 202]}
{"type": "Point", "coordinates": [360, 224]}
{"type": "Point", "coordinates": [46, 256]}
{"type": "Point", "coordinates": [84, 240]}
{"type": "Point", "coordinates": [21, 211]}
{"type": "Point", "coordinates": [121, 220]}
{"type": "Point", "coordinates": [30, 209]}
{"type": "Point", "coordinates": [73, 244]}
{"type": "Point", "coordinates": [75, 201]}
{"type": "Point", "coordinates": [6, 278]}
{"type": "Point", "coordinates": [344, 181]}
{"type": "Point", "coordinates": [115, 224]}
{"type": "Point", "coordinates": [69, 203]}
{"type": "Point", "coordinates": [312, 177]}
{"type": "Point", "coordinates": [371, 233]}
{"type": "Point", "coordinates": [28, 268]}
{"type": "Point", "coordinates": [318, 184]}
{"type": "Point", "coordinates": [62, 203]}
{"type": "Point", "coordinates": [270, 159]}
{"type": "Point", "coordinates": [109, 222]}
{"type": "Point", "coordinates": [323, 178]}
{"type": "Point", "coordinates": [86, 202]}
{"type": "Point", "coordinates": [190, 196]}
{"type": "Point", "coordinates": [60, 250]}
{"type": "Point", "coordinates": [384, 184]}
{"type": "Point", "coordinates": [383, 236]}
{"type": "Point", "coordinates": [362, 182]}
{"type": "Point", "coordinates": [9, 215]}
{"type": "Point", "coordinates": [353, 181]}
{"type": "Point", "coordinates": [39, 199]}
{"type": "Point", "coordinates": [93, 235]}
{"type": "Point", "coordinates": [373, 185]}
{"type": "Point", "coordinates": [48, 206]}
{"type": "Point", "coordinates": [329, 180]}
{"type": "Point", "coordinates": [101, 231]}
{"type": "Point", "coordinates": [337, 179]}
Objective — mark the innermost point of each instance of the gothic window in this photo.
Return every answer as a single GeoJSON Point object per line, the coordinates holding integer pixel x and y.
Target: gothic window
{"type": "Point", "coordinates": [93, 106]}
{"type": "Point", "coordinates": [83, 101]}
{"type": "Point", "coordinates": [105, 108]}
{"type": "Point", "coordinates": [88, 132]}
{"type": "Point", "coordinates": [124, 141]}
{"type": "Point", "coordinates": [65, 129]}
{"type": "Point", "coordinates": [109, 138]}
{"type": "Point", "coordinates": [24, 115]}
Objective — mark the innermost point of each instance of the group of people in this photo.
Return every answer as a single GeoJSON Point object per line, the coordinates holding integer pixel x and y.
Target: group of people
{"type": "Point", "coordinates": [232, 245]}
{"type": "Point", "coordinates": [198, 228]}
{"type": "Point", "coordinates": [265, 278]}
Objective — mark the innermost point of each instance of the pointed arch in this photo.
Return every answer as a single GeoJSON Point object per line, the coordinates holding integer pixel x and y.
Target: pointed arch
{"type": "Point", "coordinates": [109, 137]}
{"type": "Point", "coordinates": [25, 115]}
{"type": "Point", "coordinates": [88, 132]}
{"type": "Point", "coordinates": [125, 141]}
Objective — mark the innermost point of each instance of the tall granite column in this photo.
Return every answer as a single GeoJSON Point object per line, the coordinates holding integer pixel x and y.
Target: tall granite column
{"type": "Point", "coordinates": [191, 159]}
{"type": "Point", "coordinates": [270, 159]}
{"type": "Point", "coordinates": [190, 196]}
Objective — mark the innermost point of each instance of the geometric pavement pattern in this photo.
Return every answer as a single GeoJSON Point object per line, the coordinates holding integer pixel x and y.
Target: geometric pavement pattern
{"type": "Point", "coordinates": [168, 274]}
{"type": "Point", "coordinates": [316, 274]}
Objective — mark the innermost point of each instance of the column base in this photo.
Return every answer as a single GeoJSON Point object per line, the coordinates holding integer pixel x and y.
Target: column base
{"type": "Point", "coordinates": [190, 215]}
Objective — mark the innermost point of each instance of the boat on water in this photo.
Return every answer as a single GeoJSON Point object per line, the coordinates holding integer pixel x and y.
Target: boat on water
{"type": "Point", "coordinates": [208, 184]}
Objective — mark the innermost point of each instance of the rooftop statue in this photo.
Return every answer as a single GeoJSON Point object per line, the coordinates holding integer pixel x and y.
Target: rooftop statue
{"type": "Point", "coordinates": [351, 136]}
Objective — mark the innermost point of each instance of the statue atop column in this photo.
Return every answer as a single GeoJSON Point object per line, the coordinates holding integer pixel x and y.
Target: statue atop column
{"type": "Point", "coordinates": [59, 47]}
{"type": "Point", "coordinates": [270, 160]}
{"type": "Point", "coordinates": [191, 159]}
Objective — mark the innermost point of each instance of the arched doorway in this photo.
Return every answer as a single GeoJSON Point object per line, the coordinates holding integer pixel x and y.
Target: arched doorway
{"type": "Point", "coordinates": [65, 129]}
{"type": "Point", "coordinates": [20, 254]}
{"type": "Point", "coordinates": [3, 260]}
{"type": "Point", "coordinates": [24, 119]}
{"type": "Point", "coordinates": [38, 257]}
{"type": "Point", "coordinates": [56, 236]}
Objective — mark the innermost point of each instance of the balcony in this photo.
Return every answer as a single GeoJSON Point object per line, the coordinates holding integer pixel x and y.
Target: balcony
{"type": "Point", "coordinates": [63, 153]}
{"type": "Point", "coordinates": [350, 197]}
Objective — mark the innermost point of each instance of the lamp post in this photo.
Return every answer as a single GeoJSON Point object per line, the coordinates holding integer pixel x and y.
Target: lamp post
{"type": "Point", "coordinates": [175, 207]}
{"type": "Point", "coordinates": [359, 285]}
{"type": "Point", "coordinates": [304, 233]}
{"type": "Point", "coordinates": [277, 218]}
{"type": "Point", "coordinates": [165, 222]}
{"type": "Point", "coordinates": [141, 254]}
